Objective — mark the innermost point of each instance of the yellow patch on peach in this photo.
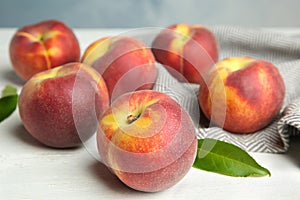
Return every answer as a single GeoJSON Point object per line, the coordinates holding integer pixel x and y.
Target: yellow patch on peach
{"type": "Point", "coordinates": [50, 74]}
{"type": "Point", "coordinates": [96, 50]}
{"type": "Point", "coordinates": [262, 78]}
{"type": "Point", "coordinates": [54, 51]}
{"type": "Point", "coordinates": [149, 102]}
{"type": "Point", "coordinates": [232, 98]}
{"type": "Point", "coordinates": [50, 34]}
{"type": "Point", "coordinates": [235, 63]}
{"type": "Point", "coordinates": [136, 142]}
{"type": "Point", "coordinates": [177, 45]}
{"type": "Point", "coordinates": [27, 35]}
{"type": "Point", "coordinates": [183, 34]}
{"type": "Point", "coordinates": [182, 29]}
{"type": "Point", "coordinates": [109, 121]}
{"type": "Point", "coordinates": [143, 122]}
{"type": "Point", "coordinates": [146, 53]}
{"type": "Point", "coordinates": [60, 71]}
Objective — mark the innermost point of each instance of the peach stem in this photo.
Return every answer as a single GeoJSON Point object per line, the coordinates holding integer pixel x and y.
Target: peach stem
{"type": "Point", "coordinates": [131, 118]}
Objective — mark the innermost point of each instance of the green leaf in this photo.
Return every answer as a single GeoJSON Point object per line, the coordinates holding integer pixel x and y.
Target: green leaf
{"type": "Point", "coordinates": [9, 91]}
{"type": "Point", "coordinates": [8, 102]}
{"type": "Point", "coordinates": [227, 159]}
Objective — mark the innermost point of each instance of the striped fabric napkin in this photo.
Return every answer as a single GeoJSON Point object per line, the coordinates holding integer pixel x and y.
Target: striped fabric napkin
{"type": "Point", "coordinates": [284, 52]}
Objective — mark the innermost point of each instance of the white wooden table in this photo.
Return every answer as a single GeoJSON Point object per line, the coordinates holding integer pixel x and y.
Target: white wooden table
{"type": "Point", "coordinates": [29, 170]}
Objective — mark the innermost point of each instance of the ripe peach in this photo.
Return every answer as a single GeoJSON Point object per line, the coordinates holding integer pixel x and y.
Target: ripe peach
{"type": "Point", "coordinates": [38, 47]}
{"type": "Point", "coordinates": [254, 93]}
{"type": "Point", "coordinates": [57, 105]}
{"type": "Point", "coordinates": [147, 140]}
{"type": "Point", "coordinates": [189, 49]}
{"type": "Point", "coordinates": [126, 64]}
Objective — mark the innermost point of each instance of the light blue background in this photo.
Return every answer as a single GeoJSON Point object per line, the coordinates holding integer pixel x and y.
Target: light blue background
{"type": "Point", "coordinates": [149, 13]}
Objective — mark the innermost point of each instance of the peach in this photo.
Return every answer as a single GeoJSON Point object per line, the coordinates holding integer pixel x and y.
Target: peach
{"type": "Point", "coordinates": [147, 140]}
{"type": "Point", "coordinates": [60, 107]}
{"type": "Point", "coordinates": [125, 63]}
{"type": "Point", "coordinates": [254, 93]}
{"type": "Point", "coordinates": [41, 46]}
{"type": "Point", "coordinates": [189, 49]}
